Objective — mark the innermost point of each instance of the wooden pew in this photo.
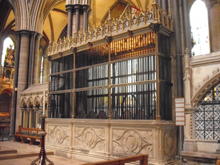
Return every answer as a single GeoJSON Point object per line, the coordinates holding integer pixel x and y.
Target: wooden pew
{"type": "Point", "coordinates": [25, 134]}
{"type": "Point", "coordinates": [121, 161]}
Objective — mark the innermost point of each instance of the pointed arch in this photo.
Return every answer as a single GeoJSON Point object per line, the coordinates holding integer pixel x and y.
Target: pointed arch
{"type": "Point", "coordinates": [204, 89]}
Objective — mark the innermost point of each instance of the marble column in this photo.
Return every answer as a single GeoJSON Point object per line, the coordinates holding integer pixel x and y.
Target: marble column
{"type": "Point", "coordinates": [164, 4]}
{"type": "Point", "coordinates": [85, 17]}
{"type": "Point", "coordinates": [76, 19]}
{"type": "Point", "coordinates": [34, 71]}
{"type": "Point", "coordinates": [69, 9]}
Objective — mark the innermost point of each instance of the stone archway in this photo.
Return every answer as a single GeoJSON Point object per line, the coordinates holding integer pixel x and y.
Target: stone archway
{"type": "Point", "coordinates": [207, 85]}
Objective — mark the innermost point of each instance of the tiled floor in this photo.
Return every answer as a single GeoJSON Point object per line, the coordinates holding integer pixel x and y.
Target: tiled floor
{"type": "Point", "coordinates": [26, 148]}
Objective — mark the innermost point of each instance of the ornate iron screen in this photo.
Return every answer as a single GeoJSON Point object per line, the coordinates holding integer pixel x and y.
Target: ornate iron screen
{"type": "Point", "coordinates": [207, 116]}
{"type": "Point", "coordinates": [127, 78]}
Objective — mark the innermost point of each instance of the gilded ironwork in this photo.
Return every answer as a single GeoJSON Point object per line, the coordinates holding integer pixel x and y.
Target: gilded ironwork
{"type": "Point", "coordinates": [113, 27]}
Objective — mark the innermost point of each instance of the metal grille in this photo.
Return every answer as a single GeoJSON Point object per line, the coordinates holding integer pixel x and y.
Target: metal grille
{"type": "Point", "coordinates": [207, 116]}
{"type": "Point", "coordinates": [127, 78]}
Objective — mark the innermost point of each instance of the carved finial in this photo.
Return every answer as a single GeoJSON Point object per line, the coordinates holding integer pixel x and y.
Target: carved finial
{"type": "Point", "coordinates": [155, 2]}
{"type": "Point", "coordinates": [109, 15]}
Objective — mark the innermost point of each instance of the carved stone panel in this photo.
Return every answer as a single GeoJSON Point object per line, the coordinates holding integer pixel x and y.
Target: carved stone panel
{"type": "Point", "coordinates": [170, 143]}
{"type": "Point", "coordinates": [58, 135]}
{"type": "Point", "coordinates": [132, 141]}
{"type": "Point", "coordinates": [90, 139]}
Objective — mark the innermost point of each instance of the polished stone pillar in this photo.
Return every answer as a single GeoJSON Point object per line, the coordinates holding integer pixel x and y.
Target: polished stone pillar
{"type": "Point", "coordinates": [34, 59]}
{"type": "Point", "coordinates": [76, 19]}
{"type": "Point", "coordinates": [20, 77]}
{"type": "Point", "coordinates": [164, 4]}
{"type": "Point", "coordinates": [69, 9]}
{"type": "Point", "coordinates": [85, 17]}
{"type": "Point", "coordinates": [37, 60]}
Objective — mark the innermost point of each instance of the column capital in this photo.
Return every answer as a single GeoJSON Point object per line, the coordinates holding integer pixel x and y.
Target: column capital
{"type": "Point", "coordinates": [69, 7]}
{"type": "Point", "coordinates": [85, 7]}
{"type": "Point", "coordinates": [28, 32]}
{"type": "Point", "coordinates": [77, 6]}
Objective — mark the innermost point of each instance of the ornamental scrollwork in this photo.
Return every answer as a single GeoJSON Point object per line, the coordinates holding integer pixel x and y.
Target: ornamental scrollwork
{"type": "Point", "coordinates": [128, 142]}
{"type": "Point", "coordinates": [89, 138]}
{"type": "Point", "coordinates": [58, 135]}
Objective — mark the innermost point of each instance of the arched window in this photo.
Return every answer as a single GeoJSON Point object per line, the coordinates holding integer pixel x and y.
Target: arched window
{"type": "Point", "coordinates": [7, 44]}
{"type": "Point", "coordinates": [207, 116]}
{"type": "Point", "coordinates": [199, 28]}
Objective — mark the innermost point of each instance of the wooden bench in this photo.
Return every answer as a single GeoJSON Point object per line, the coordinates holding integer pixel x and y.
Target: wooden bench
{"type": "Point", "coordinates": [28, 134]}
{"type": "Point", "coordinates": [121, 161]}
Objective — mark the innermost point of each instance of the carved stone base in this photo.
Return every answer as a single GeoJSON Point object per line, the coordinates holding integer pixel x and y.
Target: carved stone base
{"type": "Point", "coordinates": [94, 140]}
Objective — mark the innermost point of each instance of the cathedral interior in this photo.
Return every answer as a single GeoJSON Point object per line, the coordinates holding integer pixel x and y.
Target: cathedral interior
{"type": "Point", "coordinates": [113, 78]}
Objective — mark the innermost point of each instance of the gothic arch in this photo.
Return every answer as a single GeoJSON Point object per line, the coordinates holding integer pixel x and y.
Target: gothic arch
{"type": "Point", "coordinates": [37, 101]}
{"type": "Point", "coordinates": [122, 2]}
{"type": "Point", "coordinates": [205, 87]}
{"type": "Point", "coordinates": [30, 102]}
{"type": "Point", "coordinates": [23, 103]}
{"type": "Point", "coordinates": [39, 11]}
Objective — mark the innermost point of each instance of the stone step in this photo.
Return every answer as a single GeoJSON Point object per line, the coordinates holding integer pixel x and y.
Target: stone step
{"type": "Point", "coordinates": [20, 155]}
{"type": "Point", "coordinates": [8, 151]}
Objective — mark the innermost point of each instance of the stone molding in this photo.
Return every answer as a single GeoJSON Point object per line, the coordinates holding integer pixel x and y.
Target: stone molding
{"type": "Point", "coordinates": [206, 59]}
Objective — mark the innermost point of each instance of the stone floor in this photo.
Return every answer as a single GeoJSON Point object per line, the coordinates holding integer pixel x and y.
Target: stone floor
{"type": "Point", "coordinates": [23, 149]}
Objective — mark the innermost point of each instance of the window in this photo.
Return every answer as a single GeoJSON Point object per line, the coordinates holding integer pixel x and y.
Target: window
{"type": "Point", "coordinates": [199, 28]}
{"type": "Point", "coordinates": [7, 44]}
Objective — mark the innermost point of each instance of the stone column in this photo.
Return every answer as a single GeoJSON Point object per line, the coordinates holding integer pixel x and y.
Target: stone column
{"type": "Point", "coordinates": [188, 95]}
{"type": "Point", "coordinates": [1, 48]}
{"type": "Point", "coordinates": [14, 95]}
{"type": "Point", "coordinates": [46, 70]}
{"type": "Point", "coordinates": [69, 9]}
{"type": "Point", "coordinates": [178, 42]}
{"type": "Point", "coordinates": [27, 45]}
{"type": "Point", "coordinates": [22, 73]}
{"type": "Point", "coordinates": [33, 73]}
{"type": "Point", "coordinates": [164, 4]}
{"type": "Point", "coordinates": [85, 17]}
{"type": "Point", "coordinates": [176, 4]}
{"type": "Point", "coordinates": [187, 26]}
{"type": "Point", "coordinates": [76, 18]}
